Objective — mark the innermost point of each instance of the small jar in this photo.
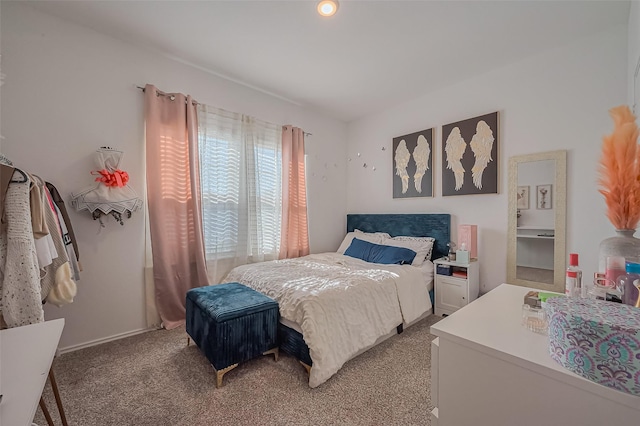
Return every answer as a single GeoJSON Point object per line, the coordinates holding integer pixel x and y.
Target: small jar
{"type": "Point", "coordinates": [597, 292]}
{"type": "Point", "coordinates": [534, 319]}
{"type": "Point", "coordinates": [598, 289]}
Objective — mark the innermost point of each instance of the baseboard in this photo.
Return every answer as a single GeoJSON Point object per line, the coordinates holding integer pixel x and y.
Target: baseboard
{"type": "Point", "coordinates": [103, 340]}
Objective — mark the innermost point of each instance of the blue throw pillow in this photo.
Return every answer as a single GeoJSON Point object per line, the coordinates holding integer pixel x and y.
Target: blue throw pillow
{"type": "Point", "coordinates": [376, 253]}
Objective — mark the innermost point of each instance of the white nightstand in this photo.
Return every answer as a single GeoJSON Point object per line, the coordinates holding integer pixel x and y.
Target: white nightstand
{"type": "Point", "coordinates": [451, 292]}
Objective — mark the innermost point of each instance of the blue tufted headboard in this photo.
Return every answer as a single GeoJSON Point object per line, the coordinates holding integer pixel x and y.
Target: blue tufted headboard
{"type": "Point", "coordinates": [437, 226]}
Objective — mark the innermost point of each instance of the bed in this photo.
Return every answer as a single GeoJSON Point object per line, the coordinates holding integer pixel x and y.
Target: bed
{"type": "Point", "coordinates": [334, 307]}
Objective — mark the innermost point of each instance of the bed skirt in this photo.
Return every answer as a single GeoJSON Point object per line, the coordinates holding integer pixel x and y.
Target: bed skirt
{"type": "Point", "coordinates": [293, 343]}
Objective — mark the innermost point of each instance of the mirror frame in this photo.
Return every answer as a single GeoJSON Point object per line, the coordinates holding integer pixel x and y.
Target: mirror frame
{"type": "Point", "coordinates": [559, 243]}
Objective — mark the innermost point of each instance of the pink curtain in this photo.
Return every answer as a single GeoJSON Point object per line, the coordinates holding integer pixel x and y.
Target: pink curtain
{"type": "Point", "coordinates": [173, 195]}
{"type": "Point", "coordinates": [294, 241]}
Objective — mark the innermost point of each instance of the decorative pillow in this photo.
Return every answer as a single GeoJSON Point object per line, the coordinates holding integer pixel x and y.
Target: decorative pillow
{"type": "Point", "coordinates": [377, 253]}
{"type": "Point", "coordinates": [372, 238]}
{"type": "Point", "coordinates": [379, 234]}
{"type": "Point", "coordinates": [423, 246]}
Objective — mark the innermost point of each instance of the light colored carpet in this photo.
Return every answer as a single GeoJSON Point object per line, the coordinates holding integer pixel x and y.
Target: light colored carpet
{"type": "Point", "coordinates": [155, 379]}
{"type": "Point", "coordinates": [535, 274]}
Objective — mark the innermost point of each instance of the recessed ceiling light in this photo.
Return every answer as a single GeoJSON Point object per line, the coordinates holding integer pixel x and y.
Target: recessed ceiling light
{"type": "Point", "coordinates": [327, 7]}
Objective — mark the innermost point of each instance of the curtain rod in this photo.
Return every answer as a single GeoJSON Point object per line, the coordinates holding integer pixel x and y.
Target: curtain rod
{"type": "Point", "coordinates": [172, 97]}
{"type": "Point", "coordinates": [305, 133]}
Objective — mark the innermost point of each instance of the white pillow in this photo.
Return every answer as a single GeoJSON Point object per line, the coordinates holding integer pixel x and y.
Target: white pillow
{"type": "Point", "coordinates": [423, 246]}
{"type": "Point", "coordinates": [380, 234]}
{"type": "Point", "coordinates": [375, 238]}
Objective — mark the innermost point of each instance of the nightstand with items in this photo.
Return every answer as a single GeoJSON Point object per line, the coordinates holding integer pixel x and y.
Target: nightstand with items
{"type": "Point", "coordinates": [456, 285]}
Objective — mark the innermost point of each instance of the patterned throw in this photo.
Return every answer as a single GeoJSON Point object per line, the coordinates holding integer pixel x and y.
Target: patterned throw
{"type": "Point", "coordinates": [597, 340]}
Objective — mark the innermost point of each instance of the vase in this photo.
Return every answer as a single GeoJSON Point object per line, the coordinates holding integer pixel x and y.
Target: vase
{"type": "Point", "coordinates": [624, 244]}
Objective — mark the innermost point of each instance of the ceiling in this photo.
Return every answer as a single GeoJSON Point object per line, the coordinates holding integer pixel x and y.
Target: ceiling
{"type": "Point", "coordinates": [370, 56]}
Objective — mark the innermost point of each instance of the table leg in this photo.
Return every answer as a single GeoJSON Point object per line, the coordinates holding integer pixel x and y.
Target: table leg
{"type": "Point", "coordinates": [56, 394]}
{"type": "Point", "coordinates": [47, 416]}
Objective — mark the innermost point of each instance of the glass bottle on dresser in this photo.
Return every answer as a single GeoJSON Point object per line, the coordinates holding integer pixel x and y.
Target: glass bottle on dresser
{"type": "Point", "coordinates": [615, 268]}
{"type": "Point", "coordinates": [625, 282]}
{"type": "Point", "coordinates": [573, 283]}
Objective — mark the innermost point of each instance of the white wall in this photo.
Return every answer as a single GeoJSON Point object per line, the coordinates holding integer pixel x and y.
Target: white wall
{"type": "Point", "coordinates": [634, 54]}
{"type": "Point", "coordinates": [70, 90]}
{"type": "Point", "coordinates": [555, 100]}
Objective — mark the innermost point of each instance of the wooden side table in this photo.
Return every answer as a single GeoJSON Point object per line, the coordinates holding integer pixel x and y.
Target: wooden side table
{"type": "Point", "coordinates": [56, 395]}
{"type": "Point", "coordinates": [26, 354]}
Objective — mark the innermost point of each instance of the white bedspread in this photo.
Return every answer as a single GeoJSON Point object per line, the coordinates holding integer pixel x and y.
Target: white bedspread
{"type": "Point", "coordinates": [342, 304]}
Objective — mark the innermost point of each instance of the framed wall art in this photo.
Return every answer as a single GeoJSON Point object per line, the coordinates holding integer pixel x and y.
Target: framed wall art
{"type": "Point", "coordinates": [523, 198]}
{"type": "Point", "coordinates": [413, 165]}
{"type": "Point", "coordinates": [470, 156]}
{"type": "Point", "coordinates": [543, 197]}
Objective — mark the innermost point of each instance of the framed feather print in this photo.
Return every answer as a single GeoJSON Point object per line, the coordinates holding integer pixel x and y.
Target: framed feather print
{"type": "Point", "coordinates": [470, 156]}
{"type": "Point", "coordinates": [413, 165]}
{"type": "Point", "coordinates": [543, 197]}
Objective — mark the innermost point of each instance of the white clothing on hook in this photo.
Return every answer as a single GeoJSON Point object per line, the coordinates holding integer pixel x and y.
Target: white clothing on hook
{"type": "Point", "coordinates": [20, 296]}
{"type": "Point", "coordinates": [45, 250]}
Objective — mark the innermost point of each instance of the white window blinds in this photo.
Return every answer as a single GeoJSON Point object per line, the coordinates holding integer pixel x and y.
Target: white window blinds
{"type": "Point", "coordinates": [241, 179]}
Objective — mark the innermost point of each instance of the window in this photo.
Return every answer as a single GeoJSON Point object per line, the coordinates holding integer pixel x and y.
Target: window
{"type": "Point", "coordinates": [241, 180]}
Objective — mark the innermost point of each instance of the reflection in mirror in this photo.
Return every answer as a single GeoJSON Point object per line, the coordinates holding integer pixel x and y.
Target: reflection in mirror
{"type": "Point", "coordinates": [535, 221]}
{"type": "Point", "coordinates": [536, 245]}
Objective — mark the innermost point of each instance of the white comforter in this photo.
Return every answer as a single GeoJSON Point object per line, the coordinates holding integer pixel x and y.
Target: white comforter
{"type": "Point", "coordinates": [342, 304]}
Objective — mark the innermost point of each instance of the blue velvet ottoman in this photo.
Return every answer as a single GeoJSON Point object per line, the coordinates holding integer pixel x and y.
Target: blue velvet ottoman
{"type": "Point", "coordinates": [232, 323]}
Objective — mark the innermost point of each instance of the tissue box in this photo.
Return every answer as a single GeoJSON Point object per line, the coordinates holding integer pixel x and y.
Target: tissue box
{"type": "Point", "coordinates": [462, 256]}
{"type": "Point", "coordinates": [597, 340]}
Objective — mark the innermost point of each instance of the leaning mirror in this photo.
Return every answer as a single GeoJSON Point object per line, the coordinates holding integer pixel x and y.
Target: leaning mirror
{"type": "Point", "coordinates": [537, 216]}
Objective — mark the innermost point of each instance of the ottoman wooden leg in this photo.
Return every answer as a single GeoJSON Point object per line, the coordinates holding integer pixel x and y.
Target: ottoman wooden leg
{"type": "Point", "coordinates": [273, 351]}
{"type": "Point", "coordinates": [221, 373]}
{"type": "Point", "coordinates": [306, 367]}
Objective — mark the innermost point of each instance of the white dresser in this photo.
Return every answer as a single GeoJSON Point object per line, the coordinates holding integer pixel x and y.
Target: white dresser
{"type": "Point", "coordinates": [487, 369]}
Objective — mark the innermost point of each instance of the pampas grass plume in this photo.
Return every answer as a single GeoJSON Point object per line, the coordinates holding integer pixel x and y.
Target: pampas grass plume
{"type": "Point", "coordinates": [620, 170]}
